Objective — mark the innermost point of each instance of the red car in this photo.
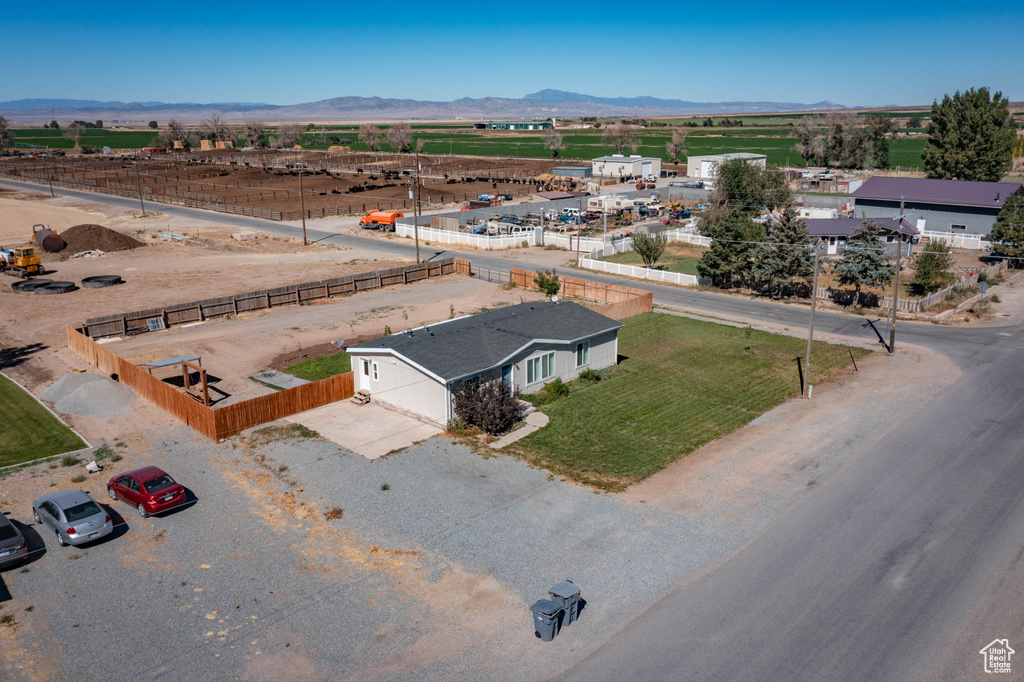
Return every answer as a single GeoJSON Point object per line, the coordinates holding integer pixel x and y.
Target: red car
{"type": "Point", "coordinates": [149, 489]}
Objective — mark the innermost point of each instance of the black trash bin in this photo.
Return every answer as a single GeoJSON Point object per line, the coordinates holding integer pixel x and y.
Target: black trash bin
{"type": "Point", "coordinates": [567, 595]}
{"type": "Point", "coordinates": [546, 617]}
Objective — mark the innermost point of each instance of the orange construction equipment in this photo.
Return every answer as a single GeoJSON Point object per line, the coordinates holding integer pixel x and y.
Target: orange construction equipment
{"type": "Point", "coordinates": [380, 220]}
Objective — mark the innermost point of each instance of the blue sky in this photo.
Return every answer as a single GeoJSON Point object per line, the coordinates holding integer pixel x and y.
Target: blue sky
{"type": "Point", "coordinates": [286, 53]}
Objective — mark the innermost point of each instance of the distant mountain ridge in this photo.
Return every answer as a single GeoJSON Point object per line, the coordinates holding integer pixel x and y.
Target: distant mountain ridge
{"type": "Point", "coordinates": [541, 104]}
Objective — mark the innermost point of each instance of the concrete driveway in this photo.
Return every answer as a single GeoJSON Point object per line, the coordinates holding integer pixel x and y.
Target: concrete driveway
{"type": "Point", "coordinates": [369, 430]}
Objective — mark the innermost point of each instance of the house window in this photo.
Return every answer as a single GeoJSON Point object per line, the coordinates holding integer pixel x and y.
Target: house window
{"type": "Point", "coordinates": [958, 228]}
{"type": "Point", "coordinates": [366, 368]}
{"type": "Point", "coordinates": [890, 238]}
{"type": "Point", "coordinates": [540, 368]}
{"type": "Point", "coordinates": [376, 375]}
{"type": "Point", "coordinates": [583, 353]}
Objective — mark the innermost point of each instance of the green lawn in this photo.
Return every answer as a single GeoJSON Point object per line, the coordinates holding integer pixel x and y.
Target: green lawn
{"type": "Point", "coordinates": [29, 431]}
{"type": "Point", "coordinates": [680, 384]}
{"type": "Point", "coordinates": [675, 259]}
{"type": "Point", "coordinates": [321, 368]}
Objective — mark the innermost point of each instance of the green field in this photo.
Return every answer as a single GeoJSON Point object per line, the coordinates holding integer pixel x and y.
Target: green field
{"type": "Point", "coordinates": [675, 259]}
{"type": "Point", "coordinates": [29, 430]}
{"type": "Point", "coordinates": [680, 383]}
{"type": "Point", "coordinates": [321, 368]}
{"type": "Point", "coordinates": [44, 138]}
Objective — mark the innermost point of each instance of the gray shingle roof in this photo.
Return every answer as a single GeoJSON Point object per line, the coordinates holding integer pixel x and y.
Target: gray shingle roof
{"type": "Point", "coordinates": [465, 346]}
{"type": "Point", "coordinates": [926, 190]}
{"type": "Point", "coordinates": [847, 227]}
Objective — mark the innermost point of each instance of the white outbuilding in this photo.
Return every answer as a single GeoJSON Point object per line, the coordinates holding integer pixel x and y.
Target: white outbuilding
{"type": "Point", "coordinates": [621, 166]}
{"type": "Point", "coordinates": [706, 167]}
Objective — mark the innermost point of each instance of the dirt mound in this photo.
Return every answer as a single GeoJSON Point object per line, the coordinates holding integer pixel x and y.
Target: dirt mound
{"type": "Point", "coordinates": [88, 237]}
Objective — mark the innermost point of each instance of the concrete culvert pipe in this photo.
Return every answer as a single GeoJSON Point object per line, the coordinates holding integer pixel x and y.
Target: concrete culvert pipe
{"type": "Point", "coordinates": [49, 240]}
{"type": "Point", "coordinates": [30, 284]}
{"type": "Point", "coordinates": [55, 288]}
{"type": "Point", "coordinates": [99, 281]}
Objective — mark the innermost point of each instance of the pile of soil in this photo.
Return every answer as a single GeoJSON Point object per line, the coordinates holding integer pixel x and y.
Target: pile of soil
{"type": "Point", "coordinates": [88, 237]}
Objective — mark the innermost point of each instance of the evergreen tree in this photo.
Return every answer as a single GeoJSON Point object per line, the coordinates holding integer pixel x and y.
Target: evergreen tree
{"type": "Point", "coordinates": [931, 268]}
{"type": "Point", "coordinates": [865, 262]}
{"type": "Point", "coordinates": [970, 137]}
{"type": "Point", "coordinates": [785, 258]}
{"type": "Point", "coordinates": [1008, 232]}
{"type": "Point", "coordinates": [734, 237]}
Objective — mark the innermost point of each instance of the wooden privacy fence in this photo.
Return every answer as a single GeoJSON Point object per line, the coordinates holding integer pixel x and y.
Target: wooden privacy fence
{"type": "Point", "coordinates": [212, 423]}
{"type": "Point", "coordinates": [622, 302]}
{"type": "Point", "coordinates": [198, 311]}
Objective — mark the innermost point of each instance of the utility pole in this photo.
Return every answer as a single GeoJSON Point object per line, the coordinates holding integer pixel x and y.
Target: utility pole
{"type": "Point", "coordinates": [416, 208]}
{"type": "Point", "coordinates": [138, 182]}
{"type": "Point", "coordinates": [810, 330]}
{"type": "Point", "coordinates": [49, 176]}
{"type": "Point", "coordinates": [896, 283]}
{"type": "Point", "coordinates": [302, 208]}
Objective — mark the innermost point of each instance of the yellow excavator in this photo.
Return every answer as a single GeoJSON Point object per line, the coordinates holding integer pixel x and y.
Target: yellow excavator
{"type": "Point", "coordinates": [20, 262]}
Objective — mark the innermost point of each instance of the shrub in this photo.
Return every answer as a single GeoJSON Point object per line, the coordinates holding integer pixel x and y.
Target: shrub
{"type": "Point", "coordinates": [994, 298]}
{"type": "Point", "coordinates": [590, 376]}
{"type": "Point", "coordinates": [68, 461]}
{"type": "Point", "coordinates": [77, 479]}
{"type": "Point", "coordinates": [547, 282]}
{"type": "Point", "coordinates": [556, 389]}
{"type": "Point", "coordinates": [492, 405]}
{"type": "Point", "coordinates": [101, 453]}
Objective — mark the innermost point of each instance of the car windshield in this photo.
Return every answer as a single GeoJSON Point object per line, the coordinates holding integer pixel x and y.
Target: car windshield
{"type": "Point", "coordinates": [7, 532]}
{"type": "Point", "coordinates": [159, 483]}
{"type": "Point", "coordinates": [81, 511]}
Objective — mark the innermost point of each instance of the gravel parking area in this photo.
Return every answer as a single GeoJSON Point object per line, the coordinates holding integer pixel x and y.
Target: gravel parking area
{"type": "Point", "coordinates": [301, 559]}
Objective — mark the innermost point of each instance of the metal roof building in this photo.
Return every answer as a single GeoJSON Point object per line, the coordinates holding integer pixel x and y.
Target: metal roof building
{"type": "Point", "coordinates": [707, 166]}
{"type": "Point", "coordinates": [957, 206]}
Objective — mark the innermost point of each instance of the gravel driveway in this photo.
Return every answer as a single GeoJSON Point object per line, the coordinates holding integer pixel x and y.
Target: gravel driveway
{"type": "Point", "coordinates": [424, 569]}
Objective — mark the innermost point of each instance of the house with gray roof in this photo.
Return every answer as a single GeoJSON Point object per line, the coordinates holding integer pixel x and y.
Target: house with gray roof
{"type": "Point", "coordinates": [834, 234]}
{"type": "Point", "coordinates": [956, 206]}
{"type": "Point", "coordinates": [527, 345]}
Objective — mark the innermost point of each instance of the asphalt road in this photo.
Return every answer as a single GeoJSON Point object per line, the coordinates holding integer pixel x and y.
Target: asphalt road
{"type": "Point", "coordinates": [869, 576]}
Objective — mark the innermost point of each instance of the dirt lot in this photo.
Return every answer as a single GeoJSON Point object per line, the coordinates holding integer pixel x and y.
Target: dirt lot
{"type": "Point", "coordinates": [334, 184]}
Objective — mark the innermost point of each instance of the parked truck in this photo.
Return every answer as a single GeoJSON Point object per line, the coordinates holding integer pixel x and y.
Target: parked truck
{"type": "Point", "coordinates": [380, 220]}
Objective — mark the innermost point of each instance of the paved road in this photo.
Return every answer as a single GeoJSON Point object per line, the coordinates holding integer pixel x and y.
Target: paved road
{"type": "Point", "coordinates": [871, 575]}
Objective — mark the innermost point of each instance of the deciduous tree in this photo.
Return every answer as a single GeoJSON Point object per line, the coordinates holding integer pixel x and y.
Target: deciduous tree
{"type": "Point", "coordinates": [726, 262]}
{"type": "Point", "coordinates": [622, 137]}
{"type": "Point", "coordinates": [745, 187]}
{"type": "Point", "coordinates": [215, 128]}
{"type": "Point", "coordinates": [74, 133]}
{"type": "Point", "coordinates": [931, 268]}
{"type": "Point", "coordinates": [547, 281]}
{"type": "Point", "coordinates": [1008, 232]}
{"type": "Point", "coordinates": [677, 145]}
{"type": "Point", "coordinates": [288, 135]}
{"type": "Point", "coordinates": [154, 125]}
{"type": "Point", "coordinates": [553, 142]}
{"type": "Point", "coordinates": [253, 134]}
{"type": "Point", "coordinates": [399, 136]}
{"type": "Point", "coordinates": [864, 262]}
{"type": "Point", "coordinates": [6, 136]}
{"type": "Point", "coordinates": [649, 247]}
{"type": "Point", "coordinates": [370, 135]}
{"type": "Point", "coordinates": [970, 137]}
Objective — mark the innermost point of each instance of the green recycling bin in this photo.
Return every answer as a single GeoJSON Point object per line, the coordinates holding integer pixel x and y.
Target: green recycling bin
{"type": "Point", "coordinates": [546, 617]}
{"type": "Point", "coordinates": [567, 595]}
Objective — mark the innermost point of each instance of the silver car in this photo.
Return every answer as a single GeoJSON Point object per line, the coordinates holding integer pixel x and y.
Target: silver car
{"type": "Point", "coordinates": [13, 548]}
{"type": "Point", "coordinates": [73, 516]}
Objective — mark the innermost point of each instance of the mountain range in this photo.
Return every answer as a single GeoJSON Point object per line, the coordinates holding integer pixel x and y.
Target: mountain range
{"type": "Point", "coordinates": [542, 104]}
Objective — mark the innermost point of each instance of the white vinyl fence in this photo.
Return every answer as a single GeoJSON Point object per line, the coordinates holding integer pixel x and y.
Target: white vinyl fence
{"type": "Point", "coordinates": [591, 262]}
{"type": "Point", "coordinates": [478, 241]}
{"type": "Point", "coordinates": [958, 240]}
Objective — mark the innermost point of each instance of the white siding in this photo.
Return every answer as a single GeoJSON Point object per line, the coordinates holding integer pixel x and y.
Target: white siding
{"type": "Point", "coordinates": [402, 386]}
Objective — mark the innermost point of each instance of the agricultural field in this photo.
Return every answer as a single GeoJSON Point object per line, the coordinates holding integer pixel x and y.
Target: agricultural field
{"type": "Point", "coordinates": [680, 383]}
{"type": "Point", "coordinates": [30, 431]}
{"type": "Point", "coordinates": [44, 138]}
